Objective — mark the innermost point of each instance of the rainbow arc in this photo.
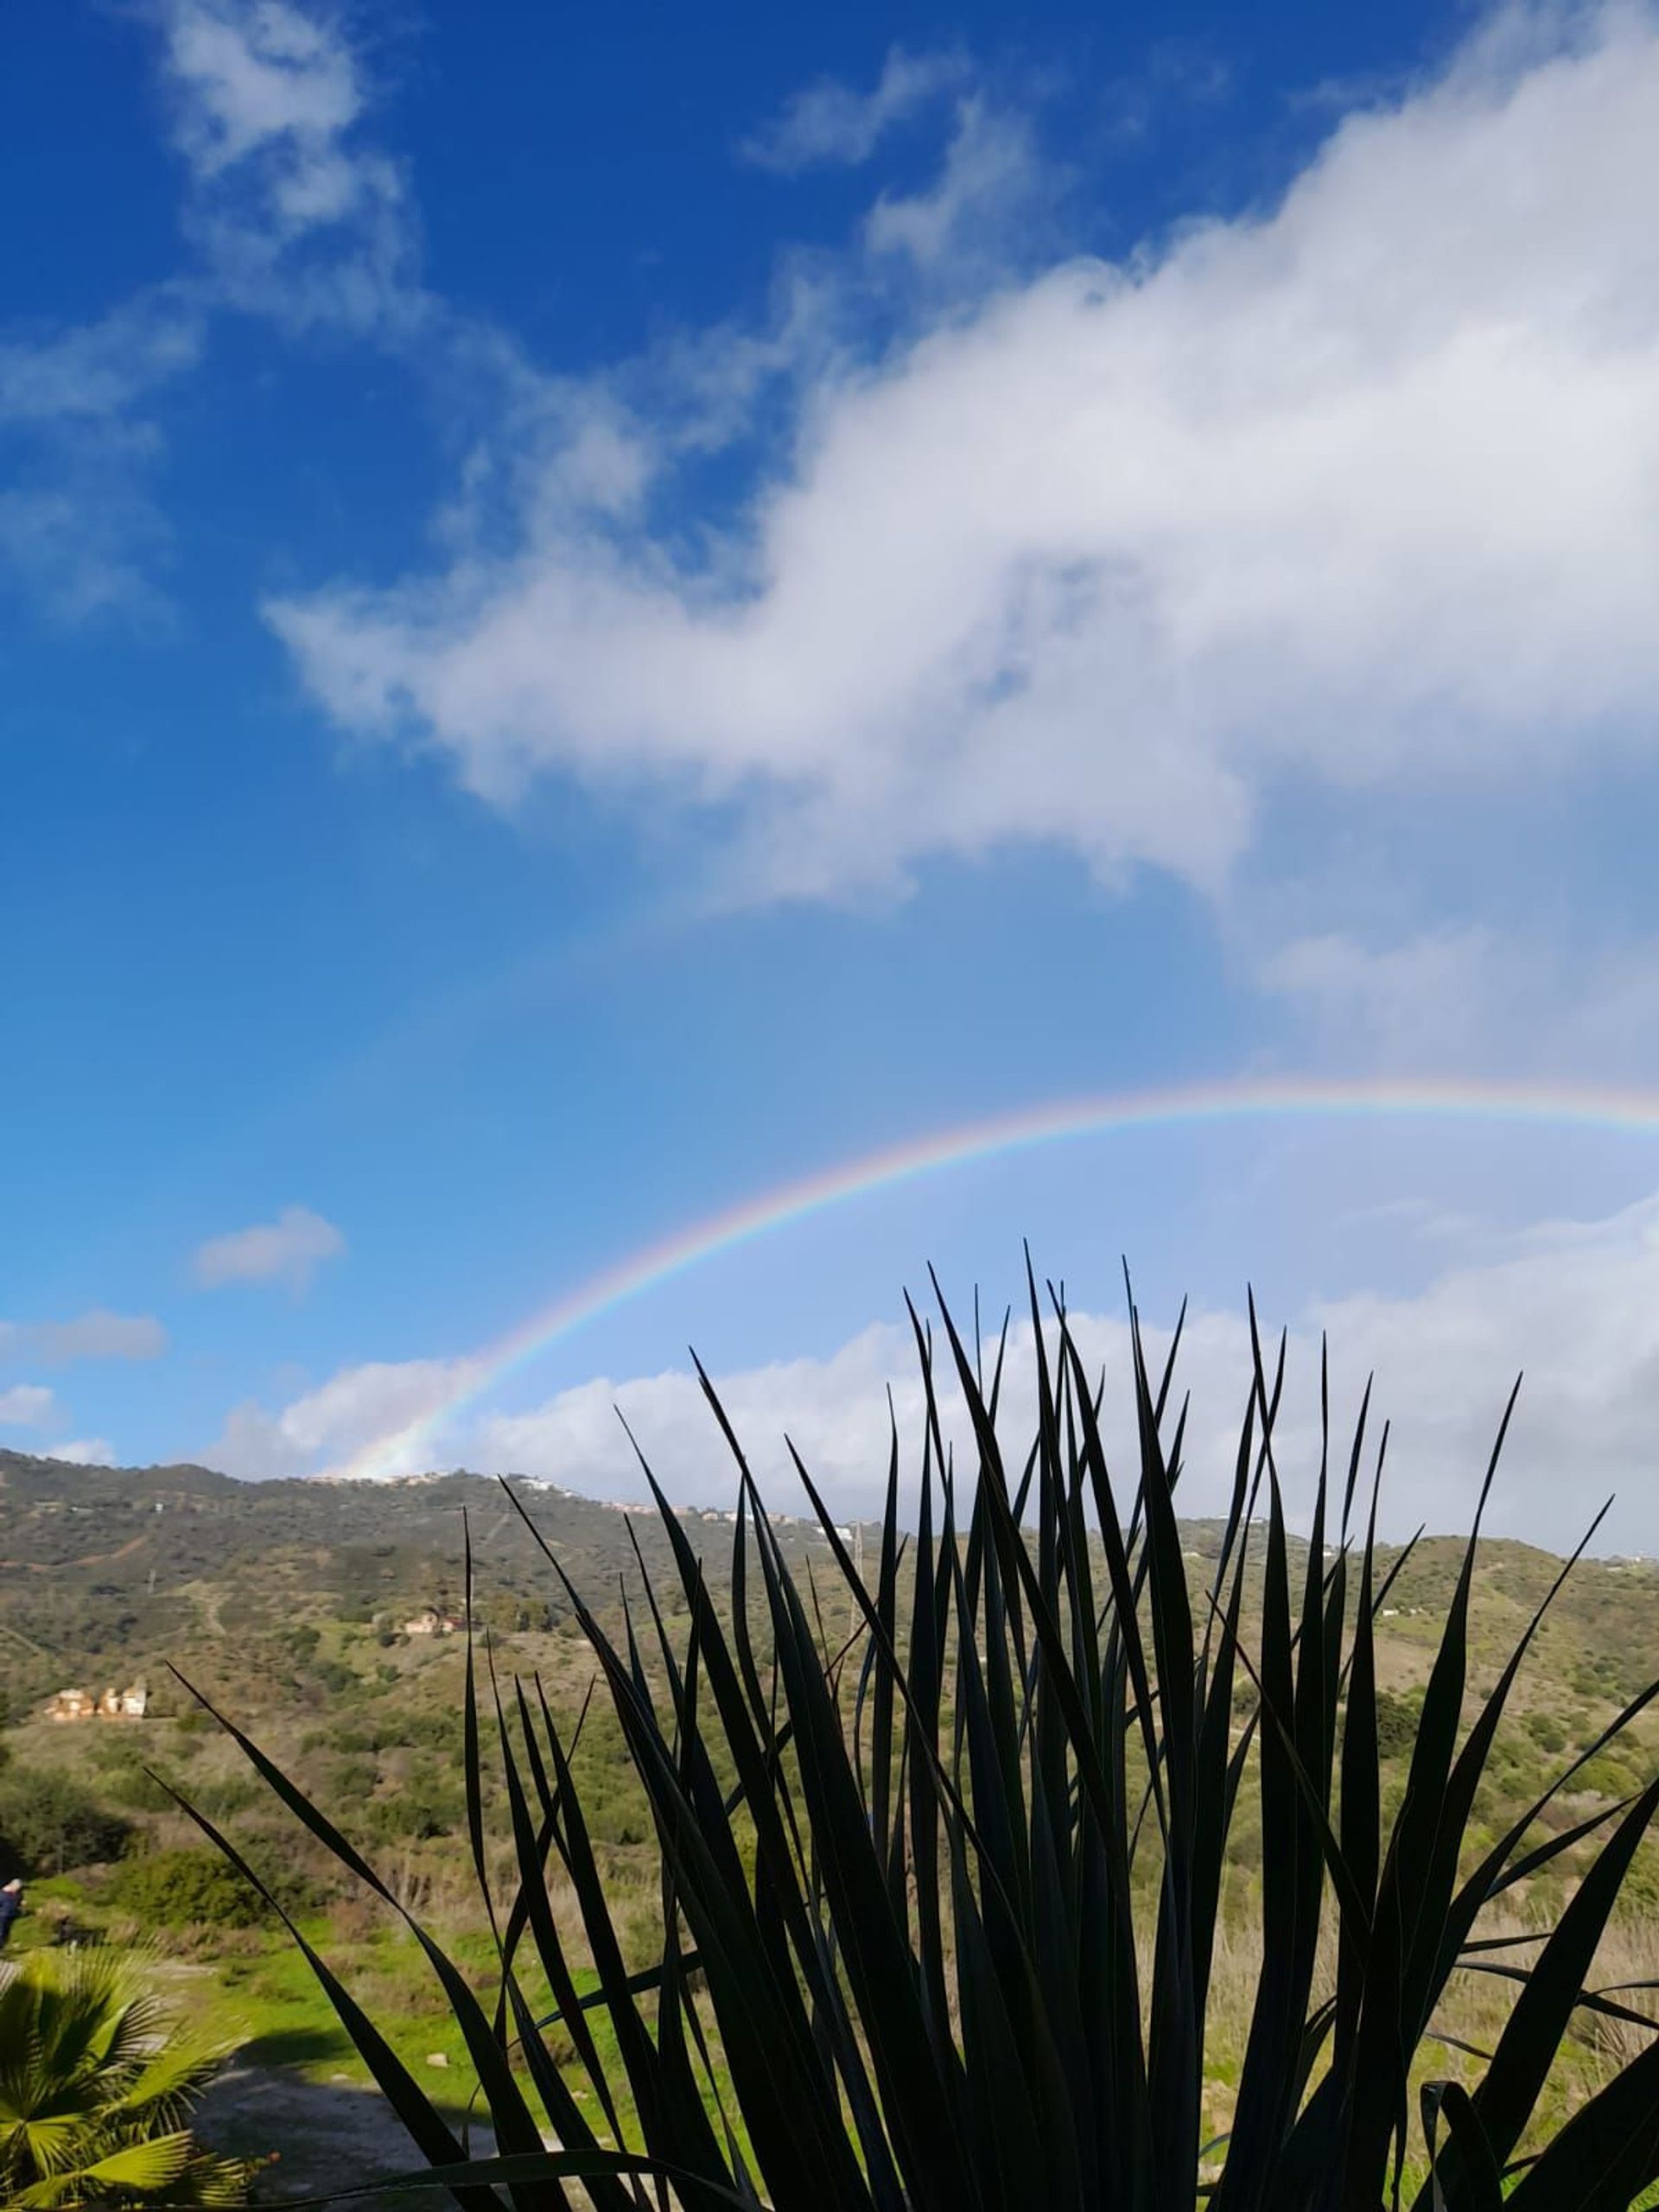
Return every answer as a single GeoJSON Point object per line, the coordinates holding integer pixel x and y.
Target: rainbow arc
{"type": "Point", "coordinates": [1024, 1129]}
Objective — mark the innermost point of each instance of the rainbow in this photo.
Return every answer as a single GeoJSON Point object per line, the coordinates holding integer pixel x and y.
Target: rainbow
{"type": "Point", "coordinates": [1022, 1130]}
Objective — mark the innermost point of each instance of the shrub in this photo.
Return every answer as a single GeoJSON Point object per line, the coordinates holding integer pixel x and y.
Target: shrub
{"type": "Point", "coordinates": [421, 1810]}
{"type": "Point", "coordinates": [1547, 1731]}
{"type": "Point", "coordinates": [223, 1799]}
{"type": "Point", "coordinates": [185, 1888]}
{"type": "Point", "coordinates": [127, 1784]}
{"type": "Point", "coordinates": [957, 1923]}
{"type": "Point", "coordinates": [49, 1823]}
{"type": "Point", "coordinates": [1606, 1777]}
{"type": "Point", "coordinates": [352, 1779]}
{"type": "Point", "coordinates": [1396, 1725]}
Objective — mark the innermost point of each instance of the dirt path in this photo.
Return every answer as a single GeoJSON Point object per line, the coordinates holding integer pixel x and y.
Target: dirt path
{"type": "Point", "coordinates": [331, 2135]}
{"type": "Point", "coordinates": [90, 1559]}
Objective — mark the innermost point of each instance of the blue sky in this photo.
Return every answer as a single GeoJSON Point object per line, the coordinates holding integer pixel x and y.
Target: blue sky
{"type": "Point", "coordinates": [596, 621]}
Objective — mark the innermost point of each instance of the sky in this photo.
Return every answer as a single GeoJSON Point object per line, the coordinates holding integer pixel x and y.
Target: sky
{"type": "Point", "coordinates": [599, 621]}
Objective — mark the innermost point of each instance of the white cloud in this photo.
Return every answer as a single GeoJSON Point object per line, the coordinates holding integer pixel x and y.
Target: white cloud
{"type": "Point", "coordinates": [79, 527]}
{"type": "Point", "coordinates": [297, 215]}
{"type": "Point", "coordinates": [831, 124]}
{"type": "Point", "coordinates": [1419, 1000]}
{"type": "Point", "coordinates": [1358, 490]}
{"type": "Point", "coordinates": [289, 1250]}
{"type": "Point", "coordinates": [1470, 995]}
{"type": "Point", "coordinates": [1176, 73]}
{"type": "Point", "coordinates": [328, 1426]}
{"type": "Point", "coordinates": [1575, 1304]}
{"type": "Point", "coordinates": [834, 1409]}
{"type": "Point", "coordinates": [97, 1334]}
{"type": "Point", "coordinates": [100, 369]}
{"type": "Point", "coordinates": [27, 1405]}
{"type": "Point", "coordinates": [80, 552]}
{"type": "Point", "coordinates": [258, 73]}
{"type": "Point", "coordinates": [985, 187]}
{"type": "Point", "coordinates": [83, 1452]}
{"type": "Point", "coordinates": [293, 217]}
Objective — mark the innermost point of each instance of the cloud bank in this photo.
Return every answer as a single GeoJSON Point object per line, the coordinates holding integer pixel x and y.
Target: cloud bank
{"type": "Point", "coordinates": [1575, 1304]}
{"type": "Point", "coordinates": [1356, 489]}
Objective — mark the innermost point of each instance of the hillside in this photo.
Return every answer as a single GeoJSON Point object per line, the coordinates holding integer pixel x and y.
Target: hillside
{"type": "Point", "coordinates": [265, 1591]}
{"type": "Point", "coordinates": [109, 1573]}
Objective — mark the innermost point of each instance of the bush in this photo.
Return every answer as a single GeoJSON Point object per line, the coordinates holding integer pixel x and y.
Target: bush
{"type": "Point", "coordinates": [1605, 1776]}
{"type": "Point", "coordinates": [352, 1780]}
{"type": "Point", "coordinates": [414, 1813]}
{"type": "Point", "coordinates": [128, 1784]}
{"type": "Point", "coordinates": [185, 1888]}
{"type": "Point", "coordinates": [223, 1801]}
{"type": "Point", "coordinates": [49, 1824]}
{"type": "Point", "coordinates": [1547, 1731]}
{"type": "Point", "coordinates": [1396, 1724]}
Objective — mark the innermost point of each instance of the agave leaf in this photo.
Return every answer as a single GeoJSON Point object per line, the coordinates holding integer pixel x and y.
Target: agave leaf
{"type": "Point", "coordinates": [1505, 2099]}
{"type": "Point", "coordinates": [430, 2132]}
{"type": "Point", "coordinates": [1468, 2179]}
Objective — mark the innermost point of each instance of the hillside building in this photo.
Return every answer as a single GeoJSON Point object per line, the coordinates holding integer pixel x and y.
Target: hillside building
{"type": "Point", "coordinates": [431, 1622]}
{"type": "Point", "coordinates": [114, 1705]}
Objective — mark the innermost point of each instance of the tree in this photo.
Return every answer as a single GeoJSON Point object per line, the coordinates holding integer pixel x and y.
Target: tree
{"type": "Point", "coordinates": [48, 1822]}
{"type": "Point", "coordinates": [182, 1888]}
{"type": "Point", "coordinates": [1396, 1725]}
{"type": "Point", "coordinates": [97, 2084]}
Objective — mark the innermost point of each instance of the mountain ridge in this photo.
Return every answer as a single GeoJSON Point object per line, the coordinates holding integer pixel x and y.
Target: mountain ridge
{"type": "Point", "coordinates": [118, 1570]}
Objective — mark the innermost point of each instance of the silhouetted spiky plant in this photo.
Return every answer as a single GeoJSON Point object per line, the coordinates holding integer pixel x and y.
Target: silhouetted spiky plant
{"type": "Point", "coordinates": [946, 1946]}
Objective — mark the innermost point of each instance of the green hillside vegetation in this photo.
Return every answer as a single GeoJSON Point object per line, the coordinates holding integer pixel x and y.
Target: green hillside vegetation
{"type": "Point", "coordinates": [109, 1571]}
